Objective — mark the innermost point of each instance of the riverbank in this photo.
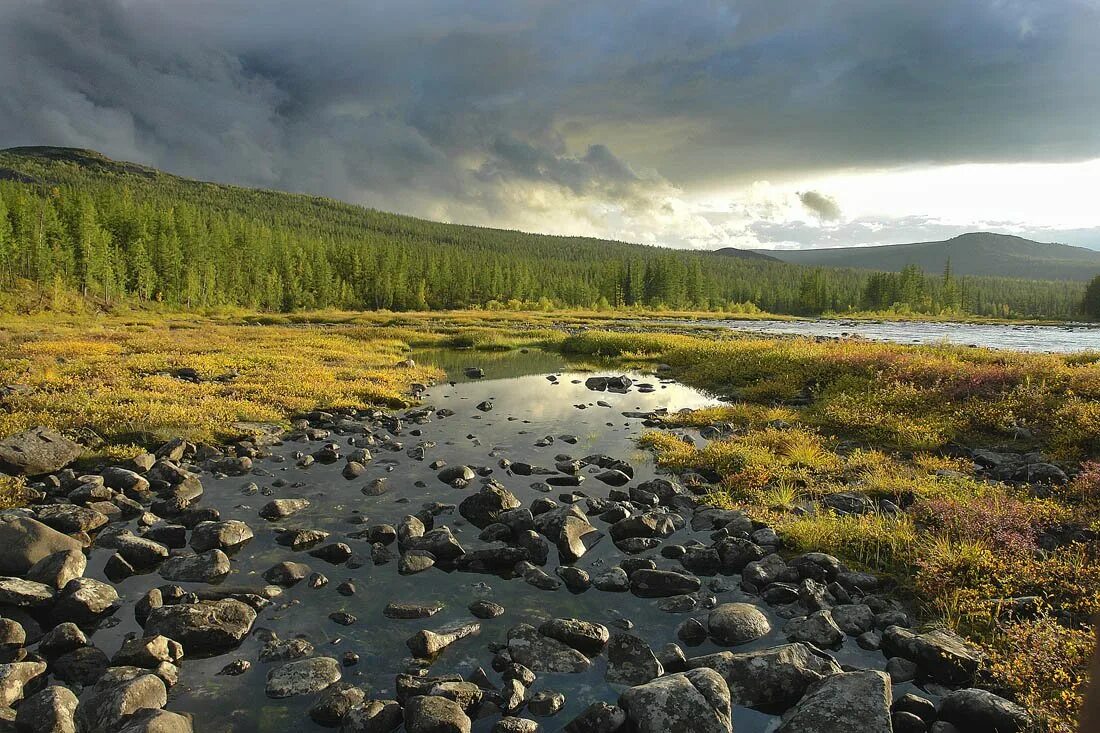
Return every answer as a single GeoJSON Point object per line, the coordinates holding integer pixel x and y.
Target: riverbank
{"type": "Point", "coordinates": [919, 463]}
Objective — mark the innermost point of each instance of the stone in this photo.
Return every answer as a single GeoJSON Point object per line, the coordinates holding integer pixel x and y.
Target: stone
{"type": "Point", "coordinates": [763, 572]}
{"type": "Point", "coordinates": [427, 644]}
{"type": "Point", "coordinates": [853, 618]}
{"type": "Point", "coordinates": [302, 677]}
{"type": "Point", "coordinates": [484, 609]}
{"type": "Point", "coordinates": [818, 629]}
{"type": "Point", "coordinates": [630, 661]}
{"type": "Point", "coordinates": [335, 704]}
{"type": "Point", "coordinates": [119, 693]}
{"type": "Point", "coordinates": [570, 539]}
{"type": "Point", "coordinates": [980, 711]}
{"type": "Point", "coordinates": [511, 724]}
{"type": "Point", "coordinates": [842, 703]}
{"type": "Point", "coordinates": [82, 666]}
{"type": "Point", "coordinates": [204, 567]}
{"type": "Point", "coordinates": [646, 583]}
{"type": "Point", "coordinates": [147, 652]}
{"type": "Point", "coordinates": [61, 639]}
{"type": "Point", "coordinates": [697, 701]}
{"type": "Point", "coordinates": [486, 506]}
{"type": "Point", "coordinates": [70, 518]}
{"type": "Point", "coordinates": [37, 451]}
{"type": "Point", "coordinates": [916, 705]}
{"type": "Point", "coordinates": [543, 654]}
{"type": "Point", "coordinates": [769, 678]}
{"type": "Point", "coordinates": [84, 600]}
{"type": "Point", "coordinates": [48, 711]}
{"type": "Point", "coordinates": [373, 716]}
{"type": "Point", "coordinates": [433, 714]}
{"type": "Point", "coordinates": [282, 508]}
{"type": "Point", "coordinates": [150, 720]}
{"type": "Point", "coordinates": [545, 703]}
{"type": "Point", "coordinates": [737, 623]}
{"type": "Point", "coordinates": [415, 561]}
{"type": "Point", "coordinates": [614, 580]}
{"type": "Point", "coordinates": [586, 637]}
{"type": "Point", "coordinates": [940, 654]}
{"type": "Point", "coordinates": [286, 573]}
{"type": "Point", "coordinates": [901, 670]}
{"type": "Point", "coordinates": [24, 593]}
{"type": "Point", "coordinates": [14, 676]}
{"type": "Point", "coordinates": [58, 569]}
{"type": "Point", "coordinates": [25, 541]}
{"type": "Point", "coordinates": [206, 626]}
{"type": "Point", "coordinates": [226, 535]}
{"type": "Point", "coordinates": [139, 552]}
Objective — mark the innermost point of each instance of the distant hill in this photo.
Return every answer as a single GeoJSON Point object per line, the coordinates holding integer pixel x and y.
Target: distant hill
{"type": "Point", "coordinates": [977, 253]}
{"type": "Point", "coordinates": [746, 254]}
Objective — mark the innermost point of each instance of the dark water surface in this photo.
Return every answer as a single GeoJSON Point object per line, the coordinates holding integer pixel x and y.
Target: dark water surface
{"type": "Point", "coordinates": [527, 407]}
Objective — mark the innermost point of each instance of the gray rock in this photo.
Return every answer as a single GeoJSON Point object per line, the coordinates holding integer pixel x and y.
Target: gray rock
{"type": "Point", "coordinates": [647, 583]}
{"type": "Point", "coordinates": [14, 676]}
{"type": "Point", "coordinates": [545, 703]}
{"type": "Point", "coordinates": [853, 618]}
{"type": "Point", "coordinates": [486, 506]}
{"type": "Point", "coordinates": [84, 600]}
{"type": "Point", "coordinates": [940, 654]}
{"type": "Point", "coordinates": [373, 716]}
{"type": "Point", "coordinates": [614, 580]}
{"type": "Point", "coordinates": [220, 535]}
{"type": "Point", "coordinates": [148, 652]}
{"type": "Point", "coordinates": [24, 593]}
{"type": "Point", "coordinates": [48, 711]}
{"type": "Point", "coordinates": [139, 552]}
{"type": "Point", "coordinates": [37, 451]}
{"type": "Point", "coordinates": [599, 717]}
{"type": "Point", "coordinates": [697, 701]}
{"type": "Point", "coordinates": [61, 639]}
{"type": "Point", "coordinates": [335, 704]}
{"type": "Point", "coordinates": [150, 720]}
{"type": "Point", "coordinates": [25, 541]}
{"type": "Point", "coordinates": [282, 508]}
{"type": "Point", "coordinates": [818, 629]}
{"type": "Point", "coordinates": [203, 567]}
{"type": "Point", "coordinates": [58, 569]}
{"type": "Point", "coordinates": [433, 714]}
{"type": "Point", "coordinates": [980, 711]}
{"type": "Point", "coordinates": [286, 573]}
{"type": "Point", "coordinates": [737, 623]}
{"type": "Point", "coordinates": [630, 661]}
{"type": "Point", "coordinates": [70, 518]}
{"type": "Point", "coordinates": [543, 654]}
{"type": "Point", "coordinates": [302, 677]}
{"type": "Point", "coordinates": [82, 666]}
{"type": "Point", "coordinates": [586, 637]}
{"type": "Point", "coordinates": [203, 627]}
{"type": "Point", "coordinates": [120, 692]}
{"type": "Point", "coordinates": [427, 644]}
{"type": "Point", "coordinates": [842, 703]}
{"type": "Point", "coordinates": [769, 678]}
{"type": "Point", "coordinates": [511, 724]}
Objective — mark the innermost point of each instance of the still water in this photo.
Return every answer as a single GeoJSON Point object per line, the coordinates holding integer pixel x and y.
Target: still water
{"type": "Point", "coordinates": [527, 407]}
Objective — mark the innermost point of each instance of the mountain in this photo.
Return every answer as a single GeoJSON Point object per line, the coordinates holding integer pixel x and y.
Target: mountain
{"type": "Point", "coordinates": [80, 228]}
{"type": "Point", "coordinates": [746, 254]}
{"type": "Point", "coordinates": [977, 253]}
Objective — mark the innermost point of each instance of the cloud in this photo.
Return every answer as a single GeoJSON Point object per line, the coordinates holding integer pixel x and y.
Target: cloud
{"type": "Point", "coordinates": [823, 207]}
{"type": "Point", "coordinates": [570, 117]}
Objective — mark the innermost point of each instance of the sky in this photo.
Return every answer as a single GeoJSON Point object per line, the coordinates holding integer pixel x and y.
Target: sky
{"type": "Point", "coordinates": [697, 124]}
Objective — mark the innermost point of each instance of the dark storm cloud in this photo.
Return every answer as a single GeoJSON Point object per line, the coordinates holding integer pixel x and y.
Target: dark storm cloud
{"type": "Point", "coordinates": [483, 109]}
{"type": "Point", "coordinates": [823, 207]}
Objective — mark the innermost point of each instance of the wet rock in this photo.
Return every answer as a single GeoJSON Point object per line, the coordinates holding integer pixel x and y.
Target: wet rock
{"type": "Point", "coordinates": [411, 610]}
{"type": "Point", "coordinates": [58, 569]}
{"type": "Point", "coordinates": [921, 707]}
{"type": "Point", "coordinates": [300, 539]}
{"type": "Point", "coordinates": [614, 580]}
{"type": "Point", "coordinates": [901, 670]}
{"type": "Point", "coordinates": [818, 629]}
{"type": "Point", "coordinates": [630, 661]}
{"type": "Point", "coordinates": [61, 639]}
{"type": "Point", "coordinates": [940, 654]}
{"type": "Point", "coordinates": [282, 508]}
{"type": "Point", "coordinates": [141, 553]}
{"type": "Point", "coordinates": [119, 693]}
{"type": "Point", "coordinates": [70, 518]}
{"type": "Point", "coordinates": [286, 573]}
{"type": "Point", "coordinates": [415, 561]}
{"type": "Point", "coordinates": [545, 703]}
{"type": "Point", "coordinates": [335, 704]}
{"type": "Point", "coordinates": [599, 717]}
{"type": "Point", "coordinates": [433, 714]}
{"type": "Point", "coordinates": [225, 535]}
{"type": "Point", "coordinates": [486, 506]}
{"type": "Point", "coordinates": [14, 676]}
{"type": "Point", "coordinates": [84, 600]}
{"type": "Point", "coordinates": [576, 580]}
{"type": "Point", "coordinates": [282, 650]}
{"type": "Point", "coordinates": [980, 711]}
{"type": "Point", "coordinates": [48, 711]}
{"type": "Point", "coordinates": [584, 636]}
{"type": "Point", "coordinates": [203, 627]}
{"type": "Point", "coordinates": [147, 652]}
{"type": "Point", "coordinates": [769, 678]}
{"type": "Point", "coordinates": [302, 677]}
{"type": "Point", "coordinates": [83, 666]}
{"type": "Point", "coordinates": [24, 593]}
{"type": "Point", "coordinates": [764, 572]}
{"type": "Point", "coordinates": [149, 720]}
{"type": "Point", "coordinates": [427, 644]}
{"type": "Point", "coordinates": [335, 552]}
{"type": "Point", "coordinates": [236, 667]}
{"type": "Point", "coordinates": [647, 583]}
{"type": "Point", "coordinates": [450, 474]}
{"type": "Point", "coordinates": [373, 716]}
{"type": "Point", "coordinates": [515, 725]}
{"type": "Point", "coordinates": [543, 654]}
{"type": "Point", "coordinates": [853, 618]}
{"type": "Point", "coordinates": [697, 701]}
{"type": "Point", "coordinates": [843, 703]}
{"type": "Point", "coordinates": [737, 623]}
{"type": "Point", "coordinates": [203, 567]}
{"type": "Point", "coordinates": [37, 451]}
{"type": "Point", "coordinates": [648, 525]}
{"type": "Point", "coordinates": [25, 541]}
{"type": "Point", "coordinates": [486, 609]}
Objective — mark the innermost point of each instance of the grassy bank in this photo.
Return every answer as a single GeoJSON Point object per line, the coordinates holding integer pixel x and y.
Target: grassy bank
{"type": "Point", "coordinates": [817, 419]}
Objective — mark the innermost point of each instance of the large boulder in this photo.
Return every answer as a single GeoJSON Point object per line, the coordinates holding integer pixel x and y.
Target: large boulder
{"type": "Point", "coordinates": [486, 506]}
{"type": "Point", "coordinates": [430, 714]}
{"type": "Point", "coordinates": [980, 711]}
{"type": "Point", "coordinates": [543, 654]}
{"type": "Point", "coordinates": [697, 701]}
{"type": "Point", "coordinates": [302, 677]}
{"type": "Point", "coordinates": [14, 676]}
{"type": "Point", "coordinates": [25, 541]}
{"type": "Point", "coordinates": [737, 623]}
{"type": "Point", "coordinates": [769, 678]}
{"type": "Point", "coordinates": [152, 720]}
{"type": "Point", "coordinates": [842, 703]}
{"type": "Point", "coordinates": [50, 710]}
{"type": "Point", "coordinates": [202, 627]}
{"type": "Point", "coordinates": [37, 451]}
{"type": "Point", "coordinates": [119, 693]}
{"type": "Point", "coordinates": [940, 654]}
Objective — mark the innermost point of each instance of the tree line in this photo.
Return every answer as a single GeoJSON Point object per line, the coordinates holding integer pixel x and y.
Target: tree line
{"type": "Point", "coordinates": [150, 237]}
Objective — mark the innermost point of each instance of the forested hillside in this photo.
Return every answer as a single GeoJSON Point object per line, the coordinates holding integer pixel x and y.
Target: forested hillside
{"type": "Point", "coordinates": [75, 221]}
